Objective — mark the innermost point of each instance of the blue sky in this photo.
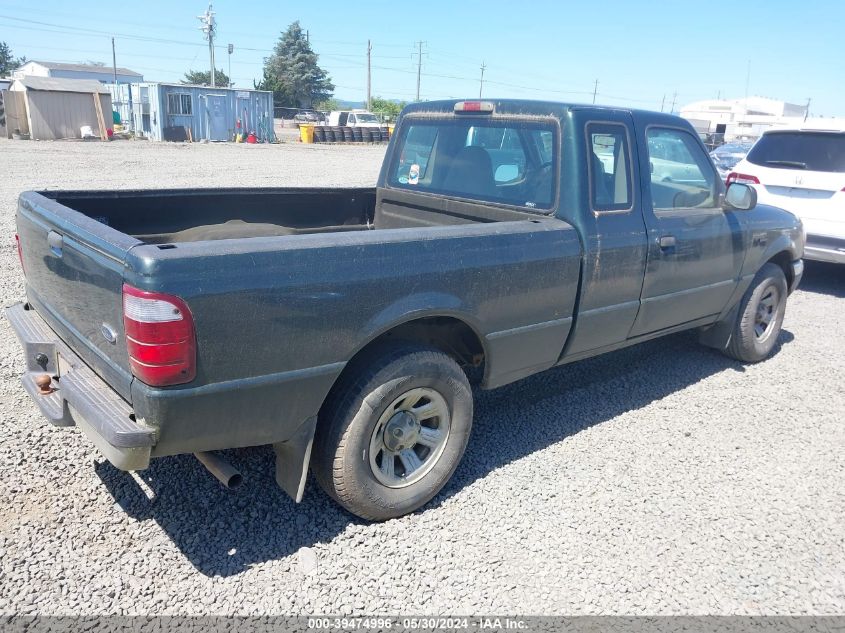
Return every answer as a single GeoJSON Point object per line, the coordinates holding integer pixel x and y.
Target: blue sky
{"type": "Point", "coordinates": [642, 53]}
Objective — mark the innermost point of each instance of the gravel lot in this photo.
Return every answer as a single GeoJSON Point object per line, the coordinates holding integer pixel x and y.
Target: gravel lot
{"type": "Point", "coordinates": [662, 479]}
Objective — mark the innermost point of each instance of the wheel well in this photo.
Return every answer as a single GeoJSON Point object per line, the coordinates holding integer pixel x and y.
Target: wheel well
{"type": "Point", "coordinates": [448, 334]}
{"type": "Point", "coordinates": [784, 260]}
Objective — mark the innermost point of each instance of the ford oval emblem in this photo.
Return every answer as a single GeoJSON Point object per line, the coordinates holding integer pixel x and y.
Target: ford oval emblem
{"type": "Point", "coordinates": [108, 333]}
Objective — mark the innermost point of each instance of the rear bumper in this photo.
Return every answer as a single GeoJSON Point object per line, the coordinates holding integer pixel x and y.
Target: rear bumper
{"type": "Point", "coordinates": [78, 396]}
{"type": "Point", "coordinates": [823, 248]}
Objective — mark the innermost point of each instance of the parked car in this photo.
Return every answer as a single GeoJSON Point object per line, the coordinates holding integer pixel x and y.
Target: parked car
{"type": "Point", "coordinates": [306, 116]}
{"type": "Point", "coordinates": [353, 118]}
{"type": "Point", "coordinates": [344, 326]}
{"type": "Point", "coordinates": [803, 171]}
{"type": "Point", "coordinates": [726, 156]}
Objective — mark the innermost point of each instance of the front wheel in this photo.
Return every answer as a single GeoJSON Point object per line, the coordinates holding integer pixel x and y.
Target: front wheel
{"type": "Point", "coordinates": [760, 316]}
{"type": "Point", "coordinates": [390, 437]}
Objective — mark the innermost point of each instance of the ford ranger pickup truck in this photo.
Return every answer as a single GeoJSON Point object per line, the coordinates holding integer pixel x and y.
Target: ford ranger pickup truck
{"type": "Point", "coordinates": [345, 327]}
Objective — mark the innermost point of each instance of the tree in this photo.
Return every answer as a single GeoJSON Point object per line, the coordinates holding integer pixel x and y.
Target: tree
{"type": "Point", "coordinates": [292, 72]}
{"type": "Point", "coordinates": [8, 63]}
{"type": "Point", "coordinates": [203, 78]}
{"type": "Point", "coordinates": [329, 105]}
{"type": "Point", "coordinates": [387, 107]}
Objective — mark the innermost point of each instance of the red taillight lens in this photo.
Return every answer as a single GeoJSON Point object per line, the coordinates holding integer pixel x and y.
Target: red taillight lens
{"type": "Point", "coordinates": [160, 337]}
{"type": "Point", "coordinates": [20, 251]}
{"type": "Point", "coordinates": [743, 179]}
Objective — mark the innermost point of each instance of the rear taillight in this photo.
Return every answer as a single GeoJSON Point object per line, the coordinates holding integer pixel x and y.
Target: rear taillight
{"type": "Point", "coordinates": [743, 179]}
{"type": "Point", "coordinates": [20, 251]}
{"type": "Point", "coordinates": [160, 337]}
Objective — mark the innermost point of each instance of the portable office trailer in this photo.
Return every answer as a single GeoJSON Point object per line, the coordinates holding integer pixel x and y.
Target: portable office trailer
{"type": "Point", "coordinates": [47, 108]}
{"type": "Point", "coordinates": [177, 112]}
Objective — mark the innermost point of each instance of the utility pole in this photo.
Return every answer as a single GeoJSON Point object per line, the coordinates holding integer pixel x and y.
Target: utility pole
{"type": "Point", "coordinates": [114, 64]}
{"type": "Point", "coordinates": [807, 111]}
{"type": "Point", "coordinates": [307, 36]}
{"type": "Point", "coordinates": [674, 97]}
{"type": "Point", "coordinates": [595, 90]}
{"type": "Point", "coordinates": [369, 73]}
{"type": "Point", "coordinates": [231, 50]}
{"type": "Point", "coordinates": [481, 85]}
{"type": "Point", "coordinates": [419, 67]}
{"type": "Point", "coordinates": [208, 27]}
{"type": "Point", "coordinates": [663, 102]}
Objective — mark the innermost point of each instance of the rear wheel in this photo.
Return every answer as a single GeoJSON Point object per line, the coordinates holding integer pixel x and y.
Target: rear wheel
{"type": "Point", "coordinates": [760, 316]}
{"type": "Point", "coordinates": [393, 433]}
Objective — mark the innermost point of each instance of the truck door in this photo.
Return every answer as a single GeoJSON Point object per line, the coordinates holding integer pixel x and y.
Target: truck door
{"type": "Point", "coordinates": [694, 254]}
{"type": "Point", "coordinates": [608, 214]}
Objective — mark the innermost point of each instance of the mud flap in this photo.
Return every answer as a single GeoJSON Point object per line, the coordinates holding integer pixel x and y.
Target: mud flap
{"type": "Point", "coordinates": [292, 459]}
{"type": "Point", "coordinates": [718, 335]}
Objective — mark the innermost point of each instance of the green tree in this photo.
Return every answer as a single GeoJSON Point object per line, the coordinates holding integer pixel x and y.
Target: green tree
{"type": "Point", "coordinates": [327, 105]}
{"type": "Point", "coordinates": [8, 62]}
{"type": "Point", "coordinates": [203, 78]}
{"type": "Point", "coordinates": [388, 108]}
{"type": "Point", "coordinates": [292, 72]}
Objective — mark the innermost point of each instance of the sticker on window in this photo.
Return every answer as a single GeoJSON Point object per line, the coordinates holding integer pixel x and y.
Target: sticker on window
{"type": "Point", "coordinates": [414, 175]}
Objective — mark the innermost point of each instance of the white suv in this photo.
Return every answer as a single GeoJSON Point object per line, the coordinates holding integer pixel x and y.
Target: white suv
{"type": "Point", "coordinates": [802, 171]}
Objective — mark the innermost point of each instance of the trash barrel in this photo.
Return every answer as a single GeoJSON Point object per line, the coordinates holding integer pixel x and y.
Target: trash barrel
{"type": "Point", "coordinates": [306, 133]}
{"type": "Point", "coordinates": [319, 134]}
{"type": "Point", "coordinates": [348, 135]}
{"type": "Point", "coordinates": [385, 134]}
{"type": "Point", "coordinates": [390, 131]}
{"type": "Point", "coordinates": [329, 134]}
{"type": "Point", "coordinates": [375, 134]}
{"type": "Point", "coordinates": [357, 134]}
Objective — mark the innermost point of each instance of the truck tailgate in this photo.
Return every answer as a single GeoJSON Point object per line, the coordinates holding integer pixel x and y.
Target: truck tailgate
{"type": "Point", "coordinates": [74, 279]}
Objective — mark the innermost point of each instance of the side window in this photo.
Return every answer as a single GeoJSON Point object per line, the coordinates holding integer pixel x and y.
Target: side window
{"type": "Point", "coordinates": [610, 167]}
{"type": "Point", "coordinates": [681, 174]}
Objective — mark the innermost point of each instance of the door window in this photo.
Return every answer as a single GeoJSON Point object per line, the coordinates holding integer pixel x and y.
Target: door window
{"type": "Point", "coordinates": [610, 168]}
{"type": "Point", "coordinates": [682, 176]}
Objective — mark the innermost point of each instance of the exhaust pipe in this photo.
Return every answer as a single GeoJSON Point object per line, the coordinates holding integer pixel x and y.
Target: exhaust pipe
{"type": "Point", "coordinates": [225, 473]}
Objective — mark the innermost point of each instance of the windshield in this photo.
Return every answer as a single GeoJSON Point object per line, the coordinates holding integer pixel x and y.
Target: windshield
{"type": "Point", "coordinates": [366, 118]}
{"type": "Point", "coordinates": [496, 160]}
{"type": "Point", "coordinates": [815, 151]}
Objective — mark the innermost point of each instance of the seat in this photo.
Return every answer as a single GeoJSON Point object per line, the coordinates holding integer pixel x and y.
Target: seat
{"type": "Point", "coordinates": [471, 173]}
{"type": "Point", "coordinates": [600, 192]}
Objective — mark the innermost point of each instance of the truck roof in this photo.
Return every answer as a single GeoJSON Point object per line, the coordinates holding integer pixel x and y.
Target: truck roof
{"type": "Point", "coordinates": [535, 107]}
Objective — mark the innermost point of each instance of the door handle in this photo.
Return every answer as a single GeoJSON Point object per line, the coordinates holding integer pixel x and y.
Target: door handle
{"type": "Point", "coordinates": [667, 242]}
{"type": "Point", "coordinates": [55, 241]}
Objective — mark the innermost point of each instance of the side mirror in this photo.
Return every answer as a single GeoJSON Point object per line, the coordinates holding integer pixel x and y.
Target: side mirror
{"type": "Point", "coordinates": [506, 173]}
{"type": "Point", "coordinates": [739, 197]}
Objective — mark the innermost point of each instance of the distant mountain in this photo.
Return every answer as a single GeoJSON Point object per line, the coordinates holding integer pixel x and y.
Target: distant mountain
{"type": "Point", "coordinates": [351, 105]}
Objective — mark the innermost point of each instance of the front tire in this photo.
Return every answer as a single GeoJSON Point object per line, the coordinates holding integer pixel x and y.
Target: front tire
{"type": "Point", "coordinates": [760, 316]}
{"type": "Point", "coordinates": [393, 433]}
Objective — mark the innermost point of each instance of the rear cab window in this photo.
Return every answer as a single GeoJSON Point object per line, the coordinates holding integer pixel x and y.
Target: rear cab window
{"type": "Point", "coordinates": [500, 160]}
{"type": "Point", "coordinates": [813, 151]}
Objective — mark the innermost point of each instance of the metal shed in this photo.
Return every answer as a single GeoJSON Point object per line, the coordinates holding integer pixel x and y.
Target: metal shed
{"type": "Point", "coordinates": [47, 108]}
{"type": "Point", "coordinates": [177, 112]}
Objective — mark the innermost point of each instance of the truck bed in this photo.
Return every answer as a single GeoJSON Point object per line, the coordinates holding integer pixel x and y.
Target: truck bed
{"type": "Point", "coordinates": [192, 215]}
{"type": "Point", "coordinates": [195, 215]}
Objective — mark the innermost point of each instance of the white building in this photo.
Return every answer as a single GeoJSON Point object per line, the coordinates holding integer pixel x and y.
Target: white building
{"type": "Point", "coordinates": [742, 119]}
{"type": "Point", "coordinates": [103, 74]}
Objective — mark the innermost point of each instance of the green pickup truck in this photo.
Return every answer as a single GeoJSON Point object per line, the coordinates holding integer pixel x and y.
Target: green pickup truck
{"type": "Point", "coordinates": [346, 327]}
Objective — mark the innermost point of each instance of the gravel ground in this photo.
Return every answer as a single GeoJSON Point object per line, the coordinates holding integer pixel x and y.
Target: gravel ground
{"type": "Point", "coordinates": [662, 479]}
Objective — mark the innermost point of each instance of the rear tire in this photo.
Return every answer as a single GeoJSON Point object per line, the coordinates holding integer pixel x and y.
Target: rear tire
{"type": "Point", "coordinates": [393, 433]}
{"type": "Point", "coordinates": [760, 316]}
